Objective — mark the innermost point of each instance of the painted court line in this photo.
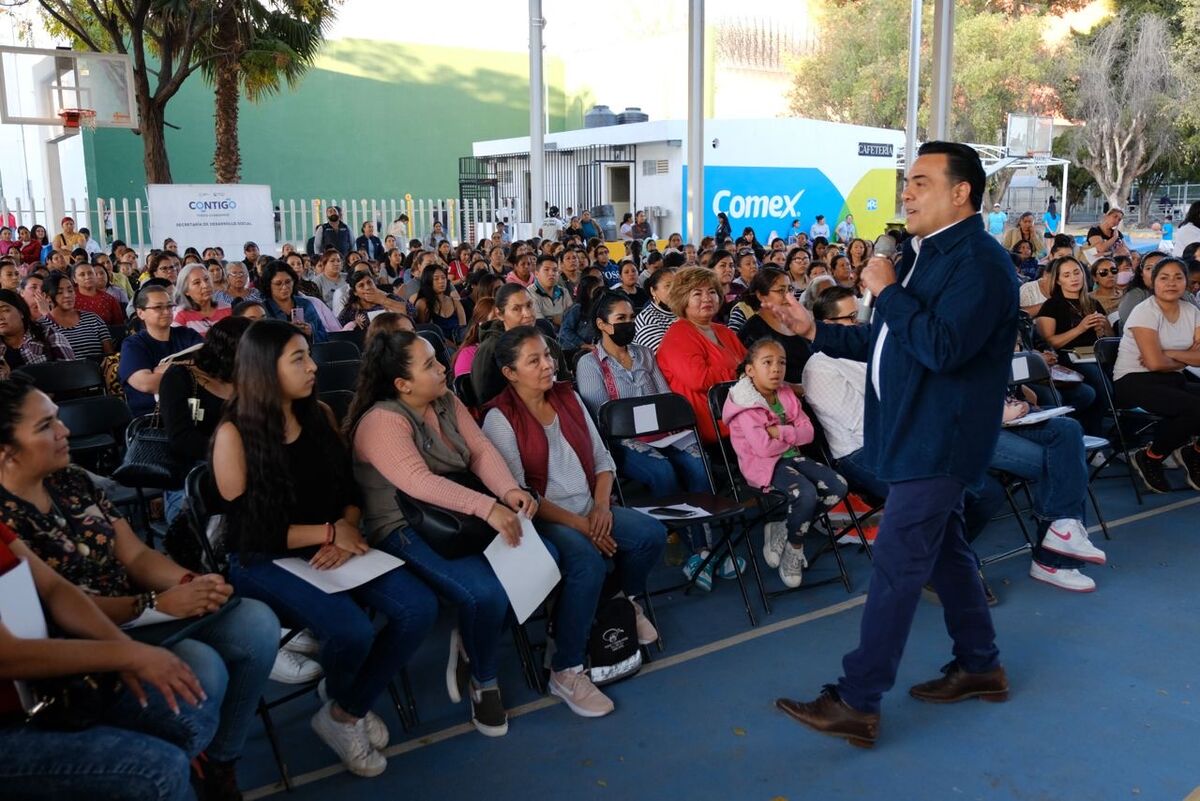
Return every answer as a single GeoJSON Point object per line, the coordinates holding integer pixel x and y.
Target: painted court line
{"type": "Point", "coordinates": [662, 664]}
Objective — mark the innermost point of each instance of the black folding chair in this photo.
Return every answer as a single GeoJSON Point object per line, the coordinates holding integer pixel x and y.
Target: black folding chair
{"type": "Point", "coordinates": [97, 426]}
{"type": "Point", "coordinates": [118, 333]}
{"type": "Point", "coordinates": [431, 334]}
{"type": "Point", "coordinates": [334, 351]}
{"type": "Point", "coordinates": [338, 375]}
{"type": "Point", "coordinates": [338, 401]}
{"type": "Point", "coordinates": [63, 380]}
{"type": "Point", "coordinates": [626, 418]}
{"type": "Point", "coordinates": [357, 336]}
{"type": "Point", "coordinates": [465, 391]}
{"type": "Point", "coordinates": [1131, 425]}
{"type": "Point", "coordinates": [201, 499]}
{"type": "Point", "coordinates": [770, 501]}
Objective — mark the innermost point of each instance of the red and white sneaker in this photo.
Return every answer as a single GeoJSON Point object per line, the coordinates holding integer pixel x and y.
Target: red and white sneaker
{"type": "Point", "coordinates": [1070, 538]}
{"type": "Point", "coordinates": [1064, 578]}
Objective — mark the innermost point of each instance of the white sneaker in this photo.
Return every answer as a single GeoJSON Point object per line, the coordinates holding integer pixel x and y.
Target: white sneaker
{"type": "Point", "coordinates": [377, 731]}
{"type": "Point", "coordinates": [303, 643]}
{"type": "Point", "coordinates": [349, 741]}
{"type": "Point", "coordinates": [791, 566]}
{"type": "Point", "coordinates": [577, 691]}
{"type": "Point", "coordinates": [1071, 580]}
{"type": "Point", "coordinates": [1069, 538]}
{"type": "Point", "coordinates": [774, 541]}
{"type": "Point", "coordinates": [293, 668]}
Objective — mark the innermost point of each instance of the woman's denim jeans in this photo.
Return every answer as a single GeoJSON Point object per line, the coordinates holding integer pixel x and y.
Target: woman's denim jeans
{"type": "Point", "coordinates": [358, 660]}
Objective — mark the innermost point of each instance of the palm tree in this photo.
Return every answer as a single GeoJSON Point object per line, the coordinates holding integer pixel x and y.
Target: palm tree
{"type": "Point", "coordinates": [260, 45]}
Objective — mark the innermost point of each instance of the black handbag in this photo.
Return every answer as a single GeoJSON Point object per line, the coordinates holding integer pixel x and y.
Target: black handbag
{"type": "Point", "coordinates": [73, 703]}
{"type": "Point", "coordinates": [450, 534]}
{"type": "Point", "coordinates": [149, 459]}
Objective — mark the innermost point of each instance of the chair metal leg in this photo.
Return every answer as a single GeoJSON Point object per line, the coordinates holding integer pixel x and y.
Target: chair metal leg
{"type": "Point", "coordinates": [752, 556]}
{"type": "Point", "coordinates": [837, 553]}
{"type": "Point", "coordinates": [408, 694]}
{"type": "Point", "coordinates": [398, 703]}
{"type": "Point", "coordinates": [741, 583]}
{"type": "Point", "coordinates": [273, 739]}
{"type": "Point", "coordinates": [1099, 515]}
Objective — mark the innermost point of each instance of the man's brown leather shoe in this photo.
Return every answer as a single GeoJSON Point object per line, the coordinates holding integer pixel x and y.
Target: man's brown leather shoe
{"type": "Point", "coordinates": [958, 685]}
{"type": "Point", "coordinates": [830, 715]}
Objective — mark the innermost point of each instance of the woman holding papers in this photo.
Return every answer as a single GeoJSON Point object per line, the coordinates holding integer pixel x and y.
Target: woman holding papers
{"type": "Point", "coordinates": [544, 433]}
{"type": "Point", "coordinates": [620, 369]}
{"type": "Point", "coordinates": [285, 474]}
{"type": "Point", "coordinates": [56, 510]}
{"type": "Point", "coordinates": [410, 433]}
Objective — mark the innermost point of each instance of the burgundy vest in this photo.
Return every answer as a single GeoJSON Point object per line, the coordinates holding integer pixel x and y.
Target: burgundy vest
{"type": "Point", "coordinates": [531, 436]}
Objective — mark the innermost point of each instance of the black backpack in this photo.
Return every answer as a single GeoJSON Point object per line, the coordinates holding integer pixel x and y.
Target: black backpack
{"type": "Point", "coordinates": [613, 651]}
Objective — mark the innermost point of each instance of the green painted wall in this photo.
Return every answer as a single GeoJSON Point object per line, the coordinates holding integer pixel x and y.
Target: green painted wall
{"type": "Point", "coordinates": [369, 120]}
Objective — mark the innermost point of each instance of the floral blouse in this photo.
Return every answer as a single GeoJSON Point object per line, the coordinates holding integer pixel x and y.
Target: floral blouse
{"type": "Point", "coordinates": [77, 537]}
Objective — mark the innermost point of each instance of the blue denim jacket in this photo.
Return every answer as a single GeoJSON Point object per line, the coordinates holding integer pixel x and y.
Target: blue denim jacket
{"type": "Point", "coordinates": [945, 363]}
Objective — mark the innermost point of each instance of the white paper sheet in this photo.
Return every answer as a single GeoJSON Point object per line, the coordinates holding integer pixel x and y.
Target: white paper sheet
{"type": "Point", "coordinates": [357, 570]}
{"type": "Point", "coordinates": [671, 439]}
{"type": "Point", "coordinates": [21, 613]}
{"type": "Point", "coordinates": [1020, 369]}
{"type": "Point", "coordinates": [528, 572]}
{"type": "Point", "coordinates": [371, 315]}
{"type": "Point", "coordinates": [148, 618]}
{"type": "Point", "coordinates": [1065, 375]}
{"type": "Point", "coordinates": [684, 510]}
{"type": "Point", "coordinates": [645, 418]}
{"type": "Point", "coordinates": [1077, 359]}
{"type": "Point", "coordinates": [1034, 418]}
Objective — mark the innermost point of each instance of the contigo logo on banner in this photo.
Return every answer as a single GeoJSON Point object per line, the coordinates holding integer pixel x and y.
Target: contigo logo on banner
{"type": "Point", "coordinates": [756, 206]}
{"type": "Point", "coordinates": [212, 205]}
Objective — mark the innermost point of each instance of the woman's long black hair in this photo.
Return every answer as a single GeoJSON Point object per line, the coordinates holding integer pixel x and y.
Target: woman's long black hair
{"type": "Point", "coordinates": [427, 293]}
{"type": "Point", "coordinates": [388, 356]}
{"type": "Point", "coordinates": [256, 410]}
{"type": "Point", "coordinates": [31, 328]}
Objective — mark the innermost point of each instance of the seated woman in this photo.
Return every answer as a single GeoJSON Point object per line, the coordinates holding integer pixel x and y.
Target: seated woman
{"type": "Point", "coordinates": [1070, 319]}
{"type": "Point", "coordinates": [237, 285]}
{"type": "Point", "coordinates": [56, 510]}
{"type": "Point", "coordinates": [651, 323]}
{"type": "Point", "coordinates": [628, 285]}
{"type": "Point", "coordinates": [86, 333]}
{"type": "Point", "coordinates": [273, 434]}
{"type": "Point", "coordinates": [1106, 294]}
{"type": "Point", "coordinates": [697, 353]}
{"type": "Point", "coordinates": [550, 443]}
{"type": "Point", "coordinates": [23, 341]}
{"type": "Point", "coordinates": [621, 369]}
{"type": "Point", "coordinates": [163, 736]}
{"type": "Point", "coordinates": [195, 306]}
{"type": "Point", "coordinates": [1026, 265]}
{"type": "Point", "coordinates": [721, 263]}
{"type": "Point", "coordinates": [1161, 339]}
{"type": "Point", "coordinates": [766, 429]}
{"type": "Point", "coordinates": [191, 394]}
{"type": "Point", "coordinates": [142, 354]}
{"type": "Point", "coordinates": [796, 267]}
{"type": "Point", "coordinates": [436, 305]}
{"type": "Point", "coordinates": [409, 432]}
{"type": "Point", "coordinates": [366, 297]}
{"type": "Point", "coordinates": [283, 303]}
{"type": "Point", "coordinates": [485, 310]}
{"type": "Point", "coordinates": [577, 330]}
{"type": "Point", "coordinates": [514, 309]}
{"type": "Point", "coordinates": [91, 297]}
{"type": "Point", "coordinates": [771, 284]}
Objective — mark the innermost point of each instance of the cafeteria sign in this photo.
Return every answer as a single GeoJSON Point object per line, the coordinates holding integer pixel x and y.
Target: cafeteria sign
{"type": "Point", "coordinates": [874, 149]}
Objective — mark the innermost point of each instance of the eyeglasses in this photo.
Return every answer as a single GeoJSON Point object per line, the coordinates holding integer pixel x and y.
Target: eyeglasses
{"type": "Point", "coordinates": [1103, 273]}
{"type": "Point", "coordinates": [158, 307]}
{"type": "Point", "coordinates": [843, 317]}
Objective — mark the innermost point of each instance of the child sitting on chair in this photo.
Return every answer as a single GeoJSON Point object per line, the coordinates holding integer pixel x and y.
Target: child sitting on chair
{"type": "Point", "coordinates": [767, 428]}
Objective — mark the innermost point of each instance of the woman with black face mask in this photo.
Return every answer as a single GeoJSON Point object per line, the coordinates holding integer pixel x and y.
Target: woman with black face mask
{"type": "Point", "coordinates": [618, 368]}
{"type": "Point", "coordinates": [655, 318]}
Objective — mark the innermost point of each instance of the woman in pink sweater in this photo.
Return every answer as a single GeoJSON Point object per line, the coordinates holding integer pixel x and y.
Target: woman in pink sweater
{"type": "Point", "coordinates": [410, 433]}
{"type": "Point", "coordinates": [766, 428]}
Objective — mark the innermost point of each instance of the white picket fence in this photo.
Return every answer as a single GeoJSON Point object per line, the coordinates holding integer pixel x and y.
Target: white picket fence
{"type": "Point", "coordinates": [295, 220]}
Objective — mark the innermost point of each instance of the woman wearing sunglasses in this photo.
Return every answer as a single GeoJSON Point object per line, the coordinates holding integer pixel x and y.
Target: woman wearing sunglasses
{"type": "Point", "coordinates": [1106, 294]}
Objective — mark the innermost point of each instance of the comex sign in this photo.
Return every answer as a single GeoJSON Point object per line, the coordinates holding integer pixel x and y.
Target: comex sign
{"type": "Point", "coordinates": [739, 206]}
{"type": "Point", "coordinates": [767, 198]}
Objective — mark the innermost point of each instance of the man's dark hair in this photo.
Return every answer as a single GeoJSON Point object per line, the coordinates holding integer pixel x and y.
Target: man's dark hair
{"type": "Point", "coordinates": [962, 165]}
{"type": "Point", "coordinates": [826, 307]}
{"type": "Point", "coordinates": [672, 261]}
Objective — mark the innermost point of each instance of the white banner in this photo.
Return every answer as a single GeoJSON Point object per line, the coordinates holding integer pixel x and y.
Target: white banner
{"type": "Point", "coordinates": [213, 215]}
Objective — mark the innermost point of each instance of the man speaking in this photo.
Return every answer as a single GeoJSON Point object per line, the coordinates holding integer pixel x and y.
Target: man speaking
{"type": "Point", "coordinates": [938, 352]}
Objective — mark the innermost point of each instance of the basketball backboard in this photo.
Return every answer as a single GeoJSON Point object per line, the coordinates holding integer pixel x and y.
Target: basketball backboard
{"type": "Point", "coordinates": [1029, 135]}
{"type": "Point", "coordinates": [36, 85]}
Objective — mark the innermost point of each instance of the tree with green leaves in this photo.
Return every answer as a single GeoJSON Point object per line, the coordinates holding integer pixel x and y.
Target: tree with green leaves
{"type": "Point", "coordinates": [258, 48]}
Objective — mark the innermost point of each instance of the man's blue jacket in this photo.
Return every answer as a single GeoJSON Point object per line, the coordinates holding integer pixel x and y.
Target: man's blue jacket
{"type": "Point", "coordinates": [945, 363]}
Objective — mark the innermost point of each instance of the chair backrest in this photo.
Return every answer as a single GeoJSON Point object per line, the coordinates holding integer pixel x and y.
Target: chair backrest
{"type": "Point", "coordinates": [625, 418]}
{"type": "Point", "coordinates": [1105, 351]}
{"type": "Point", "coordinates": [118, 334]}
{"type": "Point", "coordinates": [357, 336]}
{"type": "Point", "coordinates": [334, 351]}
{"type": "Point", "coordinates": [196, 490]}
{"type": "Point", "coordinates": [87, 417]}
{"type": "Point", "coordinates": [1026, 330]}
{"type": "Point", "coordinates": [65, 379]}
{"type": "Point", "coordinates": [337, 375]}
{"type": "Point", "coordinates": [465, 391]}
{"type": "Point", "coordinates": [338, 401]}
{"type": "Point", "coordinates": [716, 404]}
{"type": "Point", "coordinates": [440, 352]}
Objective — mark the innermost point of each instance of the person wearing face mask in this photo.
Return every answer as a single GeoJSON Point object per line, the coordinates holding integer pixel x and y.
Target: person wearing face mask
{"type": "Point", "coordinates": [333, 233]}
{"type": "Point", "coordinates": [652, 322]}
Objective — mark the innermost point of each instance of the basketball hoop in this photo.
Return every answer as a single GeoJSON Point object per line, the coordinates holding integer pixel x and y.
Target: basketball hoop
{"type": "Point", "coordinates": [76, 118]}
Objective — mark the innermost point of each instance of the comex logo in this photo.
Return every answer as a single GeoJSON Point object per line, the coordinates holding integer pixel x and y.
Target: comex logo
{"type": "Point", "coordinates": [212, 205]}
{"type": "Point", "coordinates": [754, 206]}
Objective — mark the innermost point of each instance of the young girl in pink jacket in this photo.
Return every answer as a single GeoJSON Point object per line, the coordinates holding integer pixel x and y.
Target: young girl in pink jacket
{"type": "Point", "coordinates": [767, 428]}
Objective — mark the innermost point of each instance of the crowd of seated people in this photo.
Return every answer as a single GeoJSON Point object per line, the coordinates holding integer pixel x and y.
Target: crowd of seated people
{"type": "Point", "coordinates": [545, 333]}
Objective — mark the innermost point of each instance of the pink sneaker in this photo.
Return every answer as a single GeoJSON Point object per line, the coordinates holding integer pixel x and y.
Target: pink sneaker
{"type": "Point", "coordinates": [646, 633]}
{"type": "Point", "coordinates": [577, 691]}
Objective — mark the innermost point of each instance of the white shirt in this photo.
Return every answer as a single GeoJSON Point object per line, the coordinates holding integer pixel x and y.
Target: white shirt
{"type": "Point", "coordinates": [818, 230]}
{"type": "Point", "coordinates": [883, 331]}
{"type": "Point", "coordinates": [1185, 235]}
{"type": "Point", "coordinates": [1031, 294]}
{"type": "Point", "coordinates": [836, 389]}
{"type": "Point", "coordinates": [1171, 336]}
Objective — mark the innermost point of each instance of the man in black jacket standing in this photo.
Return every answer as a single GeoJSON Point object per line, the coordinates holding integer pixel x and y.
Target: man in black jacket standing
{"type": "Point", "coordinates": [938, 354]}
{"type": "Point", "coordinates": [333, 233]}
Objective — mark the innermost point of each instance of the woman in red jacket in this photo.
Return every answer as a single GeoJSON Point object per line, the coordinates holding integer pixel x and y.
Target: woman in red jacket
{"type": "Point", "coordinates": [697, 353]}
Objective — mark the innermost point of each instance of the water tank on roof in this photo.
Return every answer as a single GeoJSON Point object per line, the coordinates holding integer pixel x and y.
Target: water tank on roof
{"type": "Point", "coordinates": [599, 117]}
{"type": "Point", "coordinates": [632, 114]}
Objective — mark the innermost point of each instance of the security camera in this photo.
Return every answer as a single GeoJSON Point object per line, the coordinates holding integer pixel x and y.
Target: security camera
{"type": "Point", "coordinates": [716, 143]}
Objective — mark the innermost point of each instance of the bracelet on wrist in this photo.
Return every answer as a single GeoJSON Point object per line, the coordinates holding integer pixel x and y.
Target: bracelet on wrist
{"type": "Point", "coordinates": [330, 533]}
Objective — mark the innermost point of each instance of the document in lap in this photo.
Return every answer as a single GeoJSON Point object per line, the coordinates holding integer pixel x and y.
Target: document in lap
{"type": "Point", "coordinates": [354, 572]}
{"type": "Point", "coordinates": [527, 572]}
{"type": "Point", "coordinates": [21, 613]}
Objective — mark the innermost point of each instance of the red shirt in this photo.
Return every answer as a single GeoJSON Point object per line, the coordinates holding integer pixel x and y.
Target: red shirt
{"type": "Point", "coordinates": [103, 305]}
{"type": "Point", "coordinates": [692, 365]}
{"type": "Point", "coordinates": [10, 704]}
